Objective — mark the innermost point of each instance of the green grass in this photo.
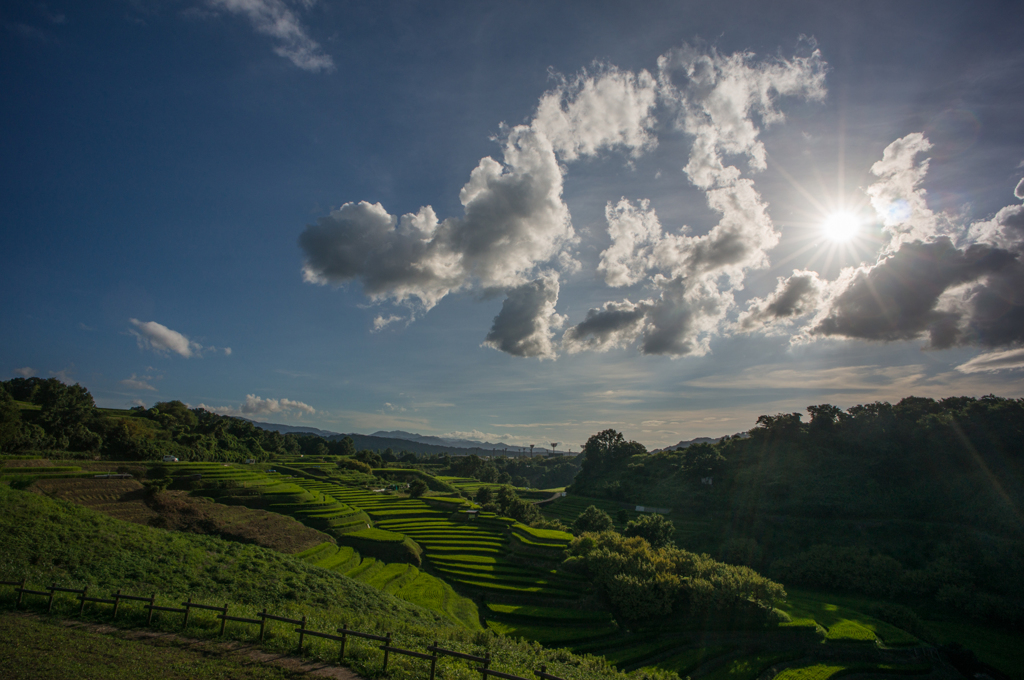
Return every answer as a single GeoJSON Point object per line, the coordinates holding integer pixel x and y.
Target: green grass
{"type": "Point", "coordinates": [819, 671]}
{"type": "Point", "coordinates": [823, 671]}
{"type": "Point", "coordinates": [849, 631]}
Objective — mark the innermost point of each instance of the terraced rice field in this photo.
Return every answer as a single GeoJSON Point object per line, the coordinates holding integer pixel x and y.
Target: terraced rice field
{"type": "Point", "coordinates": [307, 500]}
{"type": "Point", "coordinates": [487, 556]}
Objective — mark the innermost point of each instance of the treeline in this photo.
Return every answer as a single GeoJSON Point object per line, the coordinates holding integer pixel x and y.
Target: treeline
{"type": "Point", "coordinates": [48, 417]}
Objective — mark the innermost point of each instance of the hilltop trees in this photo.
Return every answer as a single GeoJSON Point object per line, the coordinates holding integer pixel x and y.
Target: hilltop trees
{"type": "Point", "coordinates": [642, 581]}
{"type": "Point", "coordinates": [65, 421]}
{"type": "Point", "coordinates": [592, 520]}
{"type": "Point", "coordinates": [653, 528]}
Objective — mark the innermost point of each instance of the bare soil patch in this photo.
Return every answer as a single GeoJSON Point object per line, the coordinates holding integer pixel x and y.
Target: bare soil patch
{"type": "Point", "coordinates": [128, 500]}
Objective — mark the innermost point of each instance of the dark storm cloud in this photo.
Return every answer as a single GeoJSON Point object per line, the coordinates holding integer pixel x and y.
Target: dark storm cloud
{"type": "Point", "coordinates": [793, 297]}
{"type": "Point", "coordinates": [523, 327]}
{"type": "Point", "coordinates": [614, 324]}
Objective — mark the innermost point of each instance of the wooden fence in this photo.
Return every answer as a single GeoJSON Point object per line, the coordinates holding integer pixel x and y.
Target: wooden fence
{"type": "Point", "coordinates": [433, 652]}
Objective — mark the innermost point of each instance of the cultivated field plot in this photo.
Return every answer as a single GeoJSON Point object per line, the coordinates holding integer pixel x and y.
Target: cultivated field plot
{"type": "Point", "coordinates": [118, 498]}
{"type": "Point", "coordinates": [307, 500]}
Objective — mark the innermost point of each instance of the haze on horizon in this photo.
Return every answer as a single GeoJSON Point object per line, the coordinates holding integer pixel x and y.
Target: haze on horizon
{"type": "Point", "coordinates": [516, 222]}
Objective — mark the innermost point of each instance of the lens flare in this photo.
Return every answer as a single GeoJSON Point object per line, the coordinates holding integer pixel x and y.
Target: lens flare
{"type": "Point", "coordinates": [841, 226]}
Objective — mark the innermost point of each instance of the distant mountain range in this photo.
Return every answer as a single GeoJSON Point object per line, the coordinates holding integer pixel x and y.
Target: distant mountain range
{"type": "Point", "coordinates": [439, 441]}
{"type": "Point", "coordinates": [285, 429]}
{"type": "Point", "coordinates": [398, 440]}
{"type": "Point", "coordinates": [698, 440]}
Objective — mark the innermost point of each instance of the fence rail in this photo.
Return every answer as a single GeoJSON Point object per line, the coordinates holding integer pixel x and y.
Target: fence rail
{"type": "Point", "coordinates": [435, 652]}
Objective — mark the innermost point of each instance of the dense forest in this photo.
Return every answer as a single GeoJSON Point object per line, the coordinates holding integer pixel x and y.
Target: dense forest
{"type": "Point", "coordinates": [918, 501]}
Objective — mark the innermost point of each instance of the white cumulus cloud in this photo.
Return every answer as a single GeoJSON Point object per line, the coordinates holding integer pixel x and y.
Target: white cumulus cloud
{"type": "Point", "coordinates": [588, 113]}
{"type": "Point", "coordinates": [258, 406]}
{"type": "Point", "coordinates": [525, 325]}
{"type": "Point", "coordinates": [720, 99]}
{"type": "Point", "coordinates": [25, 371]}
{"type": "Point", "coordinates": [161, 339]}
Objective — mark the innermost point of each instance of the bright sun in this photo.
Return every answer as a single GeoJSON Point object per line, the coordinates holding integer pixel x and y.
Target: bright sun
{"type": "Point", "coordinates": [841, 226]}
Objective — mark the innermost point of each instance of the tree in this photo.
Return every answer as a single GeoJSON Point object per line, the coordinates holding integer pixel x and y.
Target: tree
{"type": "Point", "coordinates": [606, 447]}
{"type": "Point", "coordinates": [417, 488]}
{"type": "Point", "coordinates": [484, 495]}
{"type": "Point", "coordinates": [702, 459]}
{"type": "Point", "coordinates": [63, 414]}
{"type": "Point", "coordinates": [825, 420]}
{"type": "Point", "coordinates": [593, 520]}
{"type": "Point", "coordinates": [174, 415]}
{"type": "Point", "coordinates": [348, 447]}
{"type": "Point", "coordinates": [370, 458]}
{"type": "Point", "coordinates": [654, 528]}
{"type": "Point", "coordinates": [780, 427]}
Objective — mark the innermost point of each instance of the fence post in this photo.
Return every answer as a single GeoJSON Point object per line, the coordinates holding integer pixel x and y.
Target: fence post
{"type": "Point", "coordinates": [302, 633]}
{"type": "Point", "coordinates": [387, 643]}
{"type": "Point", "coordinates": [117, 602]}
{"type": "Point", "coordinates": [224, 620]}
{"type": "Point", "coordinates": [263, 622]}
{"type": "Point", "coordinates": [85, 591]}
{"type": "Point", "coordinates": [487, 666]}
{"type": "Point", "coordinates": [53, 591]}
{"type": "Point", "coordinates": [188, 610]}
{"type": "Point", "coordinates": [152, 603]}
{"type": "Point", "coordinates": [344, 636]}
{"type": "Point", "coordinates": [21, 592]}
{"type": "Point", "coordinates": [433, 661]}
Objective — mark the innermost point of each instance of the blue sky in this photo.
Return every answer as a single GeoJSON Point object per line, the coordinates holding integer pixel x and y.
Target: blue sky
{"type": "Point", "coordinates": [525, 221]}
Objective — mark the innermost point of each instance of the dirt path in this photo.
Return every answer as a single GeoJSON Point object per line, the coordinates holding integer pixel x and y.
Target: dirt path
{"type": "Point", "coordinates": [229, 649]}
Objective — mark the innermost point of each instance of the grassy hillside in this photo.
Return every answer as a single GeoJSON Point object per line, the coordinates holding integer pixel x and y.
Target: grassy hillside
{"type": "Point", "coordinates": [51, 541]}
